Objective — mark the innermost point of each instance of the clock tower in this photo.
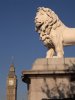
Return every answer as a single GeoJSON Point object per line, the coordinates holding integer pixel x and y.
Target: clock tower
{"type": "Point", "coordinates": [12, 84]}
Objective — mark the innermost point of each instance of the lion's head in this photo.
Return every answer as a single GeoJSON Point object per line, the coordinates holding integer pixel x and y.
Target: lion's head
{"type": "Point", "coordinates": [41, 16]}
{"type": "Point", "coordinates": [45, 20]}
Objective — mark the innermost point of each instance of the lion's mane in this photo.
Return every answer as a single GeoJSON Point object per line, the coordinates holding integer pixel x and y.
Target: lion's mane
{"type": "Point", "coordinates": [54, 21]}
{"type": "Point", "coordinates": [51, 22]}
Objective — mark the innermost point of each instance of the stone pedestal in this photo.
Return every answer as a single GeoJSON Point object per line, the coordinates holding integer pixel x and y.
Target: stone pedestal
{"type": "Point", "coordinates": [52, 78]}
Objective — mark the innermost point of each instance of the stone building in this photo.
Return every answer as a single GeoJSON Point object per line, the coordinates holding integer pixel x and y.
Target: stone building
{"type": "Point", "coordinates": [11, 83]}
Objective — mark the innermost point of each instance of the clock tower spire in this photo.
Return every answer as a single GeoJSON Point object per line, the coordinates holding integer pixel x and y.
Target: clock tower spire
{"type": "Point", "coordinates": [11, 84]}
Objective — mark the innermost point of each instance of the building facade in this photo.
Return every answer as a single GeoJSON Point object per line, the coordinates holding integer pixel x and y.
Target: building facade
{"type": "Point", "coordinates": [11, 84]}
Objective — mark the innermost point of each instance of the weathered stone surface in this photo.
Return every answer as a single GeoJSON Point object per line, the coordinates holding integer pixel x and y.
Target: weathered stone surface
{"type": "Point", "coordinates": [53, 63]}
{"type": "Point", "coordinates": [50, 79]}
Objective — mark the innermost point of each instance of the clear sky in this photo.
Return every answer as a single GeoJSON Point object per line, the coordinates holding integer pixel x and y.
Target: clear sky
{"type": "Point", "coordinates": [19, 39]}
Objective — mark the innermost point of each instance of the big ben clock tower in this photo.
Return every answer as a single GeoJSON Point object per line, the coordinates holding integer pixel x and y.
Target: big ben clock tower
{"type": "Point", "coordinates": [12, 84]}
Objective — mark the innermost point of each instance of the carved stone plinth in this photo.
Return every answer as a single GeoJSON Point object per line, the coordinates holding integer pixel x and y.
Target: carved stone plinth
{"type": "Point", "coordinates": [52, 78]}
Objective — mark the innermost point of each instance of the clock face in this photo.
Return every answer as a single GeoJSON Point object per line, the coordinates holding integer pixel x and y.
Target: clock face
{"type": "Point", "coordinates": [11, 82]}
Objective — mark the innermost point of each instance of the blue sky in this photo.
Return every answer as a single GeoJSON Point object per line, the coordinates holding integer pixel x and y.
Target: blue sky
{"type": "Point", "coordinates": [19, 39]}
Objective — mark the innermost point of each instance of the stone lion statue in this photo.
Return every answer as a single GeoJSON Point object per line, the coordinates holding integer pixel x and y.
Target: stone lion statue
{"type": "Point", "coordinates": [54, 34]}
